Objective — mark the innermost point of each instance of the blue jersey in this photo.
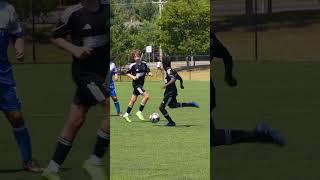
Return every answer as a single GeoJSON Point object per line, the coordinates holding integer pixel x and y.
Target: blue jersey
{"type": "Point", "coordinates": [9, 29]}
{"type": "Point", "coordinates": [113, 71]}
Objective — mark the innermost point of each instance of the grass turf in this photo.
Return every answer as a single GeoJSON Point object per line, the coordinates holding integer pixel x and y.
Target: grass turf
{"type": "Point", "coordinates": [285, 95]}
{"type": "Point", "coordinates": [146, 151]}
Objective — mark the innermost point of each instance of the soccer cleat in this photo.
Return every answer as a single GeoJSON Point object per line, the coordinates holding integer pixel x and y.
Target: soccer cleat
{"type": "Point", "coordinates": [126, 117]}
{"type": "Point", "coordinates": [32, 166]}
{"type": "Point", "coordinates": [171, 124]}
{"type": "Point", "coordinates": [97, 172]}
{"type": "Point", "coordinates": [265, 132]}
{"type": "Point", "coordinates": [50, 175]}
{"type": "Point", "coordinates": [140, 116]}
{"type": "Point", "coordinates": [194, 104]}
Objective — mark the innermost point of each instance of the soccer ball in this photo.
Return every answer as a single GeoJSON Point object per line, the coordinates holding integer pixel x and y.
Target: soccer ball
{"type": "Point", "coordinates": [154, 117]}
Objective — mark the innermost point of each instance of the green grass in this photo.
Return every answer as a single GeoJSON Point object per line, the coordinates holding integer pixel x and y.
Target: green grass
{"type": "Point", "coordinates": [146, 151]}
{"type": "Point", "coordinates": [285, 95]}
{"type": "Point", "coordinates": [46, 92]}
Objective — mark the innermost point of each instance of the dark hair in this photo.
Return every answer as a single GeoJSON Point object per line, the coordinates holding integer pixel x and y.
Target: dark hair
{"type": "Point", "coordinates": [166, 62]}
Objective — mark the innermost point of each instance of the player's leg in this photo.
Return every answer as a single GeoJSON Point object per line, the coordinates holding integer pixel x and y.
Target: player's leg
{"type": "Point", "coordinates": [71, 127]}
{"type": "Point", "coordinates": [95, 165]}
{"type": "Point", "coordinates": [11, 106]}
{"type": "Point", "coordinates": [113, 95]}
{"type": "Point", "coordinates": [262, 133]}
{"type": "Point", "coordinates": [145, 98]}
{"type": "Point", "coordinates": [166, 101]}
{"type": "Point", "coordinates": [185, 104]}
{"type": "Point", "coordinates": [130, 106]}
{"type": "Point", "coordinates": [116, 104]}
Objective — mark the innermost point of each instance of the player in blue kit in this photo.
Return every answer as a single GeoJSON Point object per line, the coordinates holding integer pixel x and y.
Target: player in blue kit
{"type": "Point", "coordinates": [113, 94]}
{"type": "Point", "coordinates": [262, 132]}
{"type": "Point", "coordinates": [10, 104]}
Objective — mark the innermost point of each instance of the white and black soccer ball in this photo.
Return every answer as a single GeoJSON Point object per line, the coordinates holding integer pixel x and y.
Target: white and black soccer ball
{"type": "Point", "coordinates": [154, 117]}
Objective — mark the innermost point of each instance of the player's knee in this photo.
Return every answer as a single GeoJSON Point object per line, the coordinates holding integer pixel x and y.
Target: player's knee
{"type": "Point", "coordinates": [132, 102]}
{"type": "Point", "coordinates": [162, 108]}
{"type": "Point", "coordinates": [77, 124]}
{"type": "Point", "coordinates": [146, 96]}
{"type": "Point", "coordinates": [15, 119]}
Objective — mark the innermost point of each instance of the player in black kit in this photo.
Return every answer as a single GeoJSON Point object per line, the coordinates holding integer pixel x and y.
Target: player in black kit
{"type": "Point", "coordinates": [137, 71]}
{"type": "Point", "coordinates": [262, 132]}
{"type": "Point", "coordinates": [87, 24]}
{"type": "Point", "coordinates": [171, 92]}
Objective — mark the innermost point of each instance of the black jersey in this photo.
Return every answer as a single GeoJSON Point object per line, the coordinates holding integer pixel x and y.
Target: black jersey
{"type": "Point", "coordinates": [140, 70]}
{"type": "Point", "coordinates": [171, 74]}
{"type": "Point", "coordinates": [91, 30]}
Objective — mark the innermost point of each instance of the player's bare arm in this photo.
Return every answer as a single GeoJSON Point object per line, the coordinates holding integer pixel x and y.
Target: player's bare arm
{"type": "Point", "coordinates": [132, 76]}
{"type": "Point", "coordinates": [76, 51]}
{"type": "Point", "coordinates": [18, 44]}
{"type": "Point", "coordinates": [172, 81]}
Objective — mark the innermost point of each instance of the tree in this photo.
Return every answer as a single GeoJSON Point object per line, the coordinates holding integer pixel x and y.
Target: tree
{"type": "Point", "coordinates": [185, 27]}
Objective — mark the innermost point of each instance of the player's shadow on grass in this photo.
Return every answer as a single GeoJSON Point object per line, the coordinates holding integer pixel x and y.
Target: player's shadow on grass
{"type": "Point", "coordinates": [114, 115]}
{"type": "Point", "coordinates": [177, 126]}
{"type": "Point", "coordinates": [10, 171]}
{"type": "Point", "coordinates": [19, 170]}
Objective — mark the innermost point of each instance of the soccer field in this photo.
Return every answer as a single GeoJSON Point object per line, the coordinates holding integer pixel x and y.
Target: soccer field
{"type": "Point", "coordinates": [286, 95]}
{"type": "Point", "coordinates": [146, 151]}
{"type": "Point", "coordinates": [47, 92]}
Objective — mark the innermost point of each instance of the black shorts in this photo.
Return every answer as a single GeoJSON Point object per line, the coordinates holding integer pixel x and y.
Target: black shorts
{"type": "Point", "coordinates": [170, 100]}
{"type": "Point", "coordinates": [138, 90]}
{"type": "Point", "coordinates": [91, 91]}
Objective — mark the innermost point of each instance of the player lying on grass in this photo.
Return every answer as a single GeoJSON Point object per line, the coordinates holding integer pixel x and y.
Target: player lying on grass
{"type": "Point", "coordinates": [262, 132]}
{"type": "Point", "coordinates": [171, 92]}
{"type": "Point", "coordinates": [137, 71]}
{"type": "Point", "coordinates": [113, 94]}
{"type": "Point", "coordinates": [87, 25]}
{"type": "Point", "coordinates": [10, 104]}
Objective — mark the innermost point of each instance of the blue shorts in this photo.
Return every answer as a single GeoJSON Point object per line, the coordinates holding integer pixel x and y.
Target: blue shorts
{"type": "Point", "coordinates": [9, 100]}
{"type": "Point", "coordinates": [113, 91]}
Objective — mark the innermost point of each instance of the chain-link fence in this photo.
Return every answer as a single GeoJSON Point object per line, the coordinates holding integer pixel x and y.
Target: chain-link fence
{"type": "Point", "coordinates": [269, 30]}
{"type": "Point", "coordinates": [38, 19]}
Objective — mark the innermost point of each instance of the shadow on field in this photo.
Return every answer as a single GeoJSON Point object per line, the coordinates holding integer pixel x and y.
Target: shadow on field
{"type": "Point", "coordinates": [177, 126]}
{"type": "Point", "coordinates": [19, 170]}
{"type": "Point", "coordinates": [10, 171]}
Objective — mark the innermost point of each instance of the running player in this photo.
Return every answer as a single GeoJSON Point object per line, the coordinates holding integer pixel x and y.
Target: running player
{"type": "Point", "coordinates": [137, 72]}
{"type": "Point", "coordinates": [10, 105]}
{"type": "Point", "coordinates": [88, 26]}
{"type": "Point", "coordinates": [171, 92]}
{"type": "Point", "coordinates": [262, 132]}
{"type": "Point", "coordinates": [113, 94]}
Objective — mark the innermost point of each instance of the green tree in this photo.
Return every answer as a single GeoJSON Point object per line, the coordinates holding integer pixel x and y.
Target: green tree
{"type": "Point", "coordinates": [185, 27]}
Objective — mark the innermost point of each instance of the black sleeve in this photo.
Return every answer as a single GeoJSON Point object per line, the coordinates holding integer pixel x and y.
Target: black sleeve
{"type": "Point", "coordinates": [177, 76]}
{"type": "Point", "coordinates": [63, 28]}
{"type": "Point", "coordinates": [129, 69]}
{"type": "Point", "coordinates": [147, 68]}
{"type": "Point", "coordinates": [172, 73]}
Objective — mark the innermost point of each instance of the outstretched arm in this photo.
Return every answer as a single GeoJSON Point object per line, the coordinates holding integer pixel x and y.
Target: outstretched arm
{"type": "Point", "coordinates": [220, 51]}
{"type": "Point", "coordinates": [178, 77]}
